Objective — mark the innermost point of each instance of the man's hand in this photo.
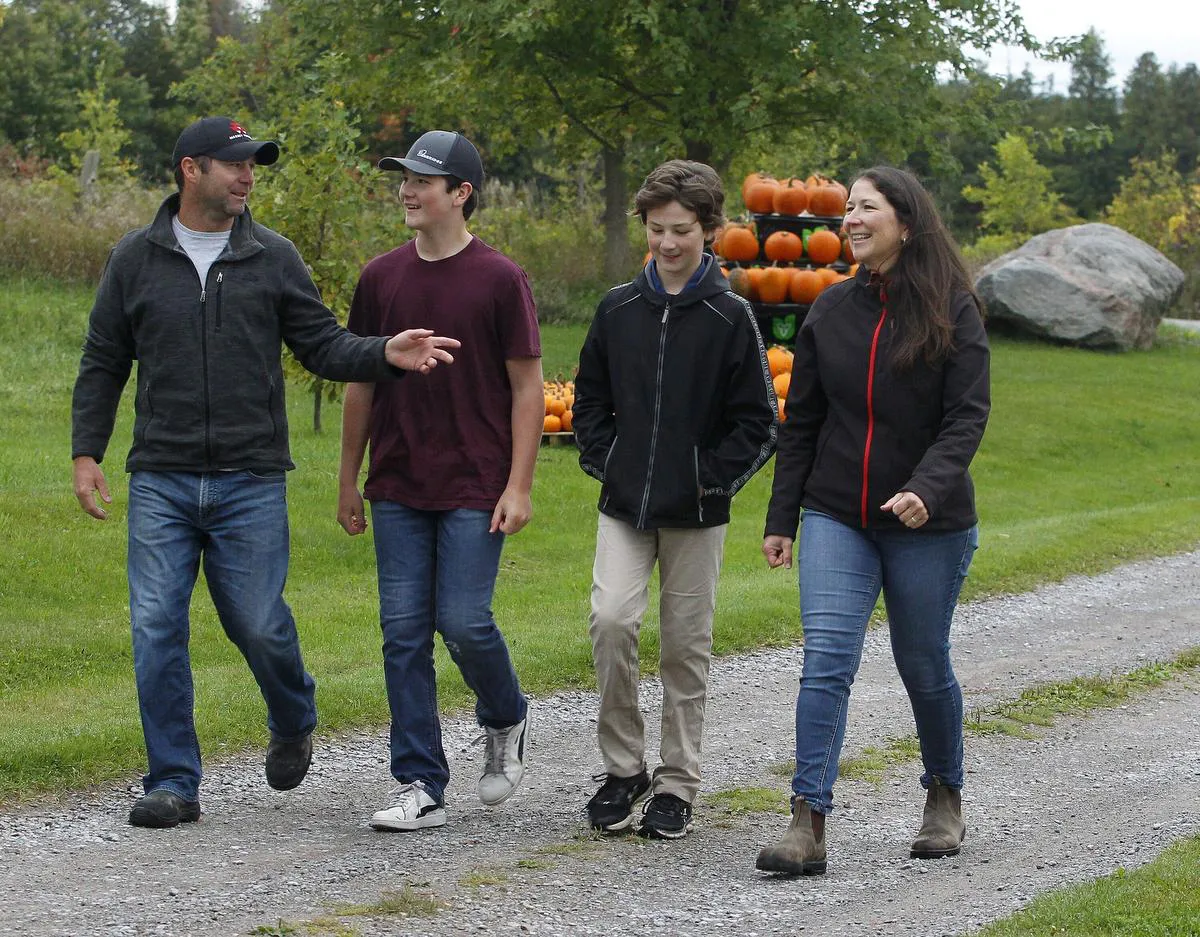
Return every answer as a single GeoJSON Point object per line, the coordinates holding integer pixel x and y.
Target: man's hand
{"type": "Point", "coordinates": [419, 350]}
{"type": "Point", "coordinates": [89, 480]}
{"type": "Point", "coordinates": [778, 551]}
{"type": "Point", "coordinates": [350, 513]}
{"type": "Point", "coordinates": [513, 511]}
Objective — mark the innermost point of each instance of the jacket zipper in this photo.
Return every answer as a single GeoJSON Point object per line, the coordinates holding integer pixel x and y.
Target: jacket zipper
{"type": "Point", "coordinates": [204, 372]}
{"type": "Point", "coordinates": [217, 297]}
{"type": "Point", "coordinates": [658, 382]}
{"type": "Point", "coordinates": [866, 469]}
{"type": "Point", "coordinates": [699, 487]}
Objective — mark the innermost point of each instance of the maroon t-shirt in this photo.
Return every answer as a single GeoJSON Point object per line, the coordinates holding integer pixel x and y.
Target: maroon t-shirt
{"type": "Point", "coordinates": [443, 440]}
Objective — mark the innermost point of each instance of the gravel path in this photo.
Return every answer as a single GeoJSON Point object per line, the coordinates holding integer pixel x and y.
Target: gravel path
{"type": "Point", "coordinates": [1090, 795]}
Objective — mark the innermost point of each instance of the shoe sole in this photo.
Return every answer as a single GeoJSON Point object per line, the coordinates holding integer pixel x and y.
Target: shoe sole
{"type": "Point", "coordinates": [148, 819]}
{"type": "Point", "coordinates": [654, 832]}
{"type": "Point", "coordinates": [937, 853]}
{"type": "Point", "coordinates": [290, 783]}
{"type": "Point", "coordinates": [426, 822]}
{"type": "Point", "coordinates": [790, 869]}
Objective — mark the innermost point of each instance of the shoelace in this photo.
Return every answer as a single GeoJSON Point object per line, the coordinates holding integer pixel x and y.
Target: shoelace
{"type": "Point", "coordinates": [496, 751]}
{"type": "Point", "coordinates": [406, 797]}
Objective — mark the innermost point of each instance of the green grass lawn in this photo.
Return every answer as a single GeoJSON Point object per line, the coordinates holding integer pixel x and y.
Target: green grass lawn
{"type": "Point", "coordinates": [1090, 460]}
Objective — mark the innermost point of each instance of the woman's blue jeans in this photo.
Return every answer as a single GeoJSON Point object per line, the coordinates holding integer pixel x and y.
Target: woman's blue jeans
{"type": "Point", "coordinates": [437, 572]}
{"type": "Point", "coordinates": [842, 571]}
{"type": "Point", "coordinates": [237, 523]}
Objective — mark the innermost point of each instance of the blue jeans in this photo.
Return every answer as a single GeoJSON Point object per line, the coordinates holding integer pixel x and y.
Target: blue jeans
{"type": "Point", "coordinates": [437, 572]}
{"type": "Point", "coordinates": [842, 570]}
{"type": "Point", "coordinates": [237, 522]}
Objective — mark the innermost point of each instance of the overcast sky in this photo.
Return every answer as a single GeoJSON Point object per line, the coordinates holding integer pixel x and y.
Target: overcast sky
{"type": "Point", "coordinates": [1168, 28]}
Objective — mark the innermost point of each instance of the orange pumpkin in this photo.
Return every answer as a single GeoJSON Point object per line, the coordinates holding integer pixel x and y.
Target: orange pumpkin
{"type": "Point", "coordinates": [739, 282]}
{"type": "Point", "coordinates": [782, 410]}
{"type": "Point", "coordinates": [551, 424]}
{"type": "Point", "coordinates": [829, 276]}
{"type": "Point", "coordinates": [783, 245]}
{"type": "Point", "coordinates": [739, 243]}
{"type": "Point", "coordinates": [774, 285]}
{"type": "Point", "coordinates": [791, 198]}
{"type": "Point", "coordinates": [782, 384]}
{"type": "Point", "coordinates": [761, 195]}
{"type": "Point", "coordinates": [566, 421]}
{"type": "Point", "coordinates": [847, 253]}
{"type": "Point", "coordinates": [805, 286]}
{"type": "Point", "coordinates": [826, 199]}
{"type": "Point", "coordinates": [779, 359]}
{"type": "Point", "coordinates": [824, 247]}
{"type": "Point", "coordinates": [753, 179]}
{"type": "Point", "coordinates": [756, 279]}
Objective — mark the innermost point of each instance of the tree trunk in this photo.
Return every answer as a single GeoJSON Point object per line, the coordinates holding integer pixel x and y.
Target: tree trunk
{"type": "Point", "coordinates": [318, 387]}
{"type": "Point", "coordinates": [617, 262]}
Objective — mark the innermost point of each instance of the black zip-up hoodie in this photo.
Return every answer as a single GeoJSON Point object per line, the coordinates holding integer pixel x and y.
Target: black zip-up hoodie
{"type": "Point", "coordinates": [674, 406]}
{"type": "Point", "coordinates": [858, 430]}
{"type": "Point", "coordinates": [210, 389]}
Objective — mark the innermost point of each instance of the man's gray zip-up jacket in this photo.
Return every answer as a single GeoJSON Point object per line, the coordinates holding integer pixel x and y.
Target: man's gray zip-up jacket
{"type": "Point", "coordinates": [210, 390]}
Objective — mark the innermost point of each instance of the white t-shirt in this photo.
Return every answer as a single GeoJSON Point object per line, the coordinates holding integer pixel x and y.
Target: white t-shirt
{"type": "Point", "coordinates": [202, 247]}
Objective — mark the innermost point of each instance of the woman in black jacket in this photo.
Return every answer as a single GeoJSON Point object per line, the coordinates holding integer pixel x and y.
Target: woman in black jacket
{"type": "Point", "coordinates": [889, 400]}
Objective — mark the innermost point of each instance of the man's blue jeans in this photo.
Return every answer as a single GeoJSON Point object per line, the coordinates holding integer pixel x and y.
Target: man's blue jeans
{"type": "Point", "coordinates": [842, 570]}
{"type": "Point", "coordinates": [237, 523]}
{"type": "Point", "coordinates": [437, 572]}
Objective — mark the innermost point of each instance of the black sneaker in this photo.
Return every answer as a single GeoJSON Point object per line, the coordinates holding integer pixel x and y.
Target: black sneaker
{"type": "Point", "coordinates": [666, 816]}
{"type": "Point", "coordinates": [162, 808]}
{"type": "Point", "coordinates": [611, 808]}
{"type": "Point", "coordinates": [287, 762]}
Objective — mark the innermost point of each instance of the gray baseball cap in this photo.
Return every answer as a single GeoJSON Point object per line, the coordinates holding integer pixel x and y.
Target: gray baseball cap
{"type": "Point", "coordinates": [440, 153]}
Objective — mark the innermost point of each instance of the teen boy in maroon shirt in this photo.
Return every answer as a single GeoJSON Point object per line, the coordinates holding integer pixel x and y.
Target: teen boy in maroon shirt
{"type": "Point", "coordinates": [450, 473]}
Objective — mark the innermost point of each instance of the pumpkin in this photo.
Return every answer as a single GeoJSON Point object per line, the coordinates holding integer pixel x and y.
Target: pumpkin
{"type": "Point", "coordinates": [739, 282]}
{"type": "Point", "coordinates": [782, 410]}
{"type": "Point", "coordinates": [791, 198]}
{"type": "Point", "coordinates": [760, 197]}
{"type": "Point", "coordinates": [782, 383]}
{"type": "Point", "coordinates": [823, 246]}
{"type": "Point", "coordinates": [829, 276]}
{"type": "Point", "coordinates": [566, 421]}
{"type": "Point", "coordinates": [551, 424]}
{"type": "Point", "coordinates": [779, 359]}
{"type": "Point", "coordinates": [756, 279]}
{"type": "Point", "coordinates": [847, 253]}
{"type": "Point", "coordinates": [739, 242]}
{"type": "Point", "coordinates": [753, 179]}
{"type": "Point", "coordinates": [774, 285]}
{"type": "Point", "coordinates": [783, 245]}
{"type": "Point", "coordinates": [805, 286]}
{"type": "Point", "coordinates": [826, 199]}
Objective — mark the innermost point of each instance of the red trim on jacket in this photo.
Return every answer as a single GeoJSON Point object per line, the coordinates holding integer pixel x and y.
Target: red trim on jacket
{"type": "Point", "coordinates": [866, 472]}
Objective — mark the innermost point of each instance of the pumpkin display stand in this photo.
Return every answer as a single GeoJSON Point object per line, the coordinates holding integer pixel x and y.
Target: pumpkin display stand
{"type": "Point", "coordinates": [558, 439]}
{"type": "Point", "coordinates": [780, 319]}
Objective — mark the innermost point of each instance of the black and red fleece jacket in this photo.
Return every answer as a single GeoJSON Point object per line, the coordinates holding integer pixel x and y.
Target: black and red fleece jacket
{"type": "Point", "coordinates": [859, 429]}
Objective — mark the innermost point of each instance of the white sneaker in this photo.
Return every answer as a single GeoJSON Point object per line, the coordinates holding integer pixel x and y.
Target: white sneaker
{"type": "Point", "coordinates": [411, 809]}
{"type": "Point", "coordinates": [504, 764]}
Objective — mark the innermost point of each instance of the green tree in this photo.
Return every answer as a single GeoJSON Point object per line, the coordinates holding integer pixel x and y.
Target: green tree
{"type": "Point", "coordinates": [1017, 198]}
{"type": "Point", "coordinates": [1150, 196]}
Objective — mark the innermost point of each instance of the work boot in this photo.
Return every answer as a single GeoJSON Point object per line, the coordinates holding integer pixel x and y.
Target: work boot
{"type": "Point", "coordinates": [802, 849]}
{"type": "Point", "coordinates": [942, 827]}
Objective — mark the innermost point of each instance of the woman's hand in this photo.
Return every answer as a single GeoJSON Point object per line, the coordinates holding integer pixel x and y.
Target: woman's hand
{"type": "Point", "coordinates": [908, 508]}
{"type": "Point", "coordinates": [778, 551]}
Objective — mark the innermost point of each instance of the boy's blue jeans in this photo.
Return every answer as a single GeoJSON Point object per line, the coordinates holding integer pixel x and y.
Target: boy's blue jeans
{"type": "Point", "coordinates": [842, 571]}
{"type": "Point", "coordinates": [437, 572]}
{"type": "Point", "coordinates": [237, 524]}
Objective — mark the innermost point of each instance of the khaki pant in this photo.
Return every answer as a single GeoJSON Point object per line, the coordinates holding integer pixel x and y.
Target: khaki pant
{"type": "Point", "coordinates": [689, 562]}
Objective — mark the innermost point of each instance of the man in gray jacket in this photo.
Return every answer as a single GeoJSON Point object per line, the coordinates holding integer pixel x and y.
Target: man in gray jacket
{"type": "Point", "coordinates": [202, 298]}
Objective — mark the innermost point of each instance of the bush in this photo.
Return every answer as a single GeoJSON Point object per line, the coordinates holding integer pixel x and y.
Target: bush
{"type": "Point", "coordinates": [45, 230]}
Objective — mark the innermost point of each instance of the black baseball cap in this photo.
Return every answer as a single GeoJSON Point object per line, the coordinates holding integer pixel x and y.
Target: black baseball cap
{"type": "Point", "coordinates": [441, 153]}
{"type": "Point", "coordinates": [225, 139]}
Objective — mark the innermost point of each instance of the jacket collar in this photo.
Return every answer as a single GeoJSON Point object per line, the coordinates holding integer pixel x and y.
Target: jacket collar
{"type": "Point", "coordinates": [242, 242]}
{"type": "Point", "coordinates": [711, 282]}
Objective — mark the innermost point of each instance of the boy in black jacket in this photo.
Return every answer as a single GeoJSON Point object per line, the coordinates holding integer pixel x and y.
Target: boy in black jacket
{"type": "Point", "coordinates": [674, 412]}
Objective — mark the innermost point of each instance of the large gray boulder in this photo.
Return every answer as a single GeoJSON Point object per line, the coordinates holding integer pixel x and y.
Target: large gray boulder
{"type": "Point", "coordinates": [1091, 285]}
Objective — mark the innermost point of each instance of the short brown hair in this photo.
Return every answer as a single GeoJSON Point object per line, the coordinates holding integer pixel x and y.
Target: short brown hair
{"type": "Point", "coordinates": [695, 186]}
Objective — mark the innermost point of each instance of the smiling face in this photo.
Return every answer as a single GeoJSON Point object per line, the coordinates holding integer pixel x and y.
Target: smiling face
{"type": "Point", "coordinates": [875, 232]}
{"type": "Point", "coordinates": [676, 242]}
{"type": "Point", "coordinates": [427, 204]}
{"type": "Point", "coordinates": [217, 196]}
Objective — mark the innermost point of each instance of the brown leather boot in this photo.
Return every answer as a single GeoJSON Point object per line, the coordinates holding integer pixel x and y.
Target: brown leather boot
{"type": "Point", "coordinates": [942, 828]}
{"type": "Point", "coordinates": [802, 849]}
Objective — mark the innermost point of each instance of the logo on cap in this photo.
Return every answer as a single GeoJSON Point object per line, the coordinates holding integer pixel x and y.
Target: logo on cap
{"type": "Point", "coordinates": [425, 154]}
{"type": "Point", "coordinates": [237, 130]}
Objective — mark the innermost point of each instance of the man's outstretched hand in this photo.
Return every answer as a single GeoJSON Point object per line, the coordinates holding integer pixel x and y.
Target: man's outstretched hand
{"type": "Point", "coordinates": [419, 350]}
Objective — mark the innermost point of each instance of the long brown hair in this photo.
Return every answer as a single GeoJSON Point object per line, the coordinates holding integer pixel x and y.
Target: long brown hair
{"type": "Point", "coordinates": [928, 273]}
